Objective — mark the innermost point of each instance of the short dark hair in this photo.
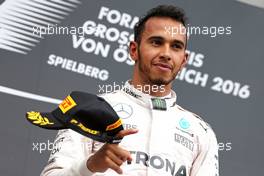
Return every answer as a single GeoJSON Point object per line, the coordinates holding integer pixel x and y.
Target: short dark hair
{"type": "Point", "coordinates": [169, 11]}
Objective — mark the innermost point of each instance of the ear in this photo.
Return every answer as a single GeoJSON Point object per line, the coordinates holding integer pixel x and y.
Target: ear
{"type": "Point", "coordinates": [185, 60]}
{"type": "Point", "coordinates": [133, 50]}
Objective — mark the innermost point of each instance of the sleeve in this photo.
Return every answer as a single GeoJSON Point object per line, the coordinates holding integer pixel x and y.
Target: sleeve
{"type": "Point", "coordinates": [206, 163]}
{"type": "Point", "coordinates": [69, 155]}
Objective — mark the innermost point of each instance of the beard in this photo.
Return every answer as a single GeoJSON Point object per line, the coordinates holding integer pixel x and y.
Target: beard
{"type": "Point", "coordinates": [153, 79]}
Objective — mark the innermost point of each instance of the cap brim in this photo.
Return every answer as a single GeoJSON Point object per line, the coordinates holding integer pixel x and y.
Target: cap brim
{"type": "Point", "coordinates": [94, 134]}
{"type": "Point", "coordinates": [44, 120]}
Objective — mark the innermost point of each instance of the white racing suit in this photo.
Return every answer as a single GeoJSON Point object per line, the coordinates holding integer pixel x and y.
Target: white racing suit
{"type": "Point", "coordinates": [170, 140]}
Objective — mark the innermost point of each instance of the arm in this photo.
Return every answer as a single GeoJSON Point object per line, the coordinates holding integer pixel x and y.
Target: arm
{"type": "Point", "coordinates": [206, 163]}
{"type": "Point", "coordinates": [69, 155]}
{"type": "Point", "coordinates": [73, 154]}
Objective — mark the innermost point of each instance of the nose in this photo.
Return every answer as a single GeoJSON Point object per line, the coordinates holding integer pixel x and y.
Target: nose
{"type": "Point", "coordinates": [165, 53]}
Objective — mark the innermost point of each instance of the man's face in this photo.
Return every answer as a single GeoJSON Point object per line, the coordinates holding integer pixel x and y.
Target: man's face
{"type": "Point", "coordinates": [160, 54]}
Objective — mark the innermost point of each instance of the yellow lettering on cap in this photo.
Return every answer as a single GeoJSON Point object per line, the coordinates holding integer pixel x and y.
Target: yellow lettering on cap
{"type": "Point", "coordinates": [67, 104]}
{"type": "Point", "coordinates": [74, 121]}
{"type": "Point", "coordinates": [87, 129]}
{"type": "Point", "coordinates": [80, 125]}
{"type": "Point", "coordinates": [114, 125]}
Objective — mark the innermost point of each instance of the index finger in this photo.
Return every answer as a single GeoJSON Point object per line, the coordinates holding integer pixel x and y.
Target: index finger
{"type": "Point", "coordinates": [127, 132]}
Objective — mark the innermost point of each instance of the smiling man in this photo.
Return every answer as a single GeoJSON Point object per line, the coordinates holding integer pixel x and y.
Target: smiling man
{"type": "Point", "coordinates": [159, 55]}
{"type": "Point", "coordinates": [161, 138]}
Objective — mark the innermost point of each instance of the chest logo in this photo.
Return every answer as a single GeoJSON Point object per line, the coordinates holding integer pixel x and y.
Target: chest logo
{"type": "Point", "coordinates": [123, 110]}
{"type": "Point", "coordinates": [184, 124]}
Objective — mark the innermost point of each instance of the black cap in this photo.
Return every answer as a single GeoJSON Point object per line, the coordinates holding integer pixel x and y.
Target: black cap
{"type": "Point", "coordinates": [84, 113]}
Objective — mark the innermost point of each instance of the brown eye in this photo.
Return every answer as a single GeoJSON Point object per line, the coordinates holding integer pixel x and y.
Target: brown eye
{"type": "Point", "coordinates": [156, 42]}
{"type": "Point", "coordinates": [177, 46]}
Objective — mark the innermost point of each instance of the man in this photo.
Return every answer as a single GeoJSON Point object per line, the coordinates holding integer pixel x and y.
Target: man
{"type": "Point", "coordinates": [160, 138]}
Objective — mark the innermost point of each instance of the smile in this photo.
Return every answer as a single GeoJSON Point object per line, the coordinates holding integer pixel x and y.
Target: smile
{"type": "Point", "coordinates": [163, 66]}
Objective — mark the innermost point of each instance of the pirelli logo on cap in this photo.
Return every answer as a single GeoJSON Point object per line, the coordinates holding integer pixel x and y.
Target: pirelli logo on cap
{"type": "Point", "coordinates": [67, 104]}
{"type": "Point", "coordinates": [114, 125]}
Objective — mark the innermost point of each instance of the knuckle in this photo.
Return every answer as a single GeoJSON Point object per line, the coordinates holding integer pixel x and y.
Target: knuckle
{"type": "Point", "coordinates": [106, 159]}
{"type": "Point", "coordinates": [107, 152]}
{"type": "Point", "coordinates": [120, 162]}
{"type": "Point", "coordinates": [124, 152]}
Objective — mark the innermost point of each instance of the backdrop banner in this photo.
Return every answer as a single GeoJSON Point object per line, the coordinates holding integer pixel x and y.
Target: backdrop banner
{"type": "Point", "coordinates": [50, 48]}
